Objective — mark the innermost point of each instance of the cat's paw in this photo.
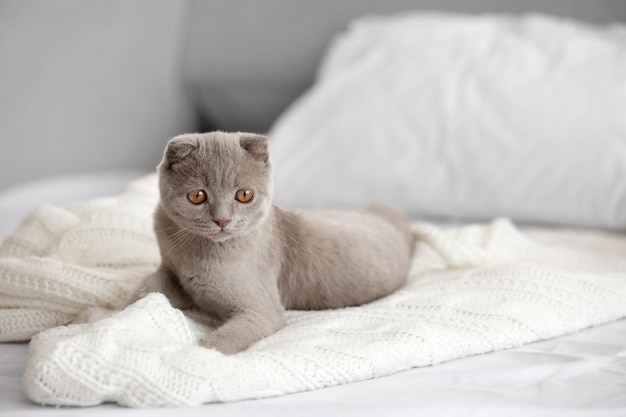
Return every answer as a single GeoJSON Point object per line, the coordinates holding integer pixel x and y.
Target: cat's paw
{"type": "Point", "coordinates": [227, 346]}
{"type": "Point", "coordinates": [241, 331]}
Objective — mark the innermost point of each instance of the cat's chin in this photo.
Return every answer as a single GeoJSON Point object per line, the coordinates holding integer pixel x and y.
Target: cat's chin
{"type": "Point", "coordinates": [221, 236]}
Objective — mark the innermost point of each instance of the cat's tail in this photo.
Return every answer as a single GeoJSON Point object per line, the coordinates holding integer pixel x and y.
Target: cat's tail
{"type": "Point", "coordinates": [397, 220]}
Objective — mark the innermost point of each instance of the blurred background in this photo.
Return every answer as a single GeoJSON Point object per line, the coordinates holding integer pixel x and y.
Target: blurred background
{"type": "Point", "coordinates": [100, 85]}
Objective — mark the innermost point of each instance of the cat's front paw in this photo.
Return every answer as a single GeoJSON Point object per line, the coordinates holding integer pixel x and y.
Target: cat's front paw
{"type": "Point", "coordinates": [225, 345]}
{"type": "Point", "coordinates": [241, 331]}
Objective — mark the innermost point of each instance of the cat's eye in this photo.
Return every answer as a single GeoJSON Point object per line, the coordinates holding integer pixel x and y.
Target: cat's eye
{"type": "Point", "coordinates": [244, 196]}
{"type": "Point", "coordinates": [197, 196]}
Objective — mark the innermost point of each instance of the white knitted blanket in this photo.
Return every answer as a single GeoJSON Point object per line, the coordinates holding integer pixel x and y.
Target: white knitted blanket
{"type": "Point", "coordinates": [471, 290]}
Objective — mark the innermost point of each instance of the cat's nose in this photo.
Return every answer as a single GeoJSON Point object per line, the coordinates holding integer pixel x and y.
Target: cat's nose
{"type": "Point", "coordinates": [221, 222]}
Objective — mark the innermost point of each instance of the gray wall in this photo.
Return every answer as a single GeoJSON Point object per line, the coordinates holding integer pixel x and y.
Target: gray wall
{"type": "Point", "coordinates": [88, 85]}
{"type": "Point", "coordinates": [246, 60]}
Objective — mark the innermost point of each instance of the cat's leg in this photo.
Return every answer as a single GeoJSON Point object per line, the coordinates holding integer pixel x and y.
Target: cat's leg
{"type": "Point", "coordinates": [161, 281]}
{"type": "Point", "coordinates": [245, 328]}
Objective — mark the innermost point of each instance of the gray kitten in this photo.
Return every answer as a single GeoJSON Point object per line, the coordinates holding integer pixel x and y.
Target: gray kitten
{"type": "Point", "coordinates": [228, 251]}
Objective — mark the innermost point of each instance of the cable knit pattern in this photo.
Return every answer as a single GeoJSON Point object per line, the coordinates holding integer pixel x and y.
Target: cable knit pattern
{"type": "Point", "coordinates": [471, 290]}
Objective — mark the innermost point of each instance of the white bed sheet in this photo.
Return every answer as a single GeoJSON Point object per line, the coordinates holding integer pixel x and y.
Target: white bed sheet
{"type": "Point", "coordinates": [582, 374]}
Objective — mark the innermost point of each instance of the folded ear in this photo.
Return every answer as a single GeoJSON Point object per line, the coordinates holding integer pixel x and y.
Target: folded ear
{"type": "Point", "coordinates": [178, 149]}
{"type": "Point", "coordinates": [255, 145]}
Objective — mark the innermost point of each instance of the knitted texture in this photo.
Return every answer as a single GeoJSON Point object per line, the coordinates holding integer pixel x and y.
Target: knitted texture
{"type": "Point", "coordinates": [471, 290]}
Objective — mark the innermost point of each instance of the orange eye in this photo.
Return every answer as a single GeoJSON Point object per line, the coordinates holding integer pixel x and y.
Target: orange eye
{"type": "Point", "coordinates": [197, 196]}
{"type": "Point", "coordinates": [244, 196]}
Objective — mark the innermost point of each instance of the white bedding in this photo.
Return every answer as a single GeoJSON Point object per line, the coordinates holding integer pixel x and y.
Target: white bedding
{"type": "Point", "coordinates": [579, 374]}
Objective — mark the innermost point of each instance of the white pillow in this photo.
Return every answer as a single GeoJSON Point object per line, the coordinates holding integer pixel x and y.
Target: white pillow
{"type": "Point", "coordinates": [468, 117]}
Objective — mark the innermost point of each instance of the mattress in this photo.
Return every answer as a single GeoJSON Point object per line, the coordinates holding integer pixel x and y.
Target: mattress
{"type": "Point", "coordinates": [581, 374]}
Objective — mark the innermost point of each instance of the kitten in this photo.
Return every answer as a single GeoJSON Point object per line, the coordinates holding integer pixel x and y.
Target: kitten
{"type": "Point", "coordinates": [228, 251]}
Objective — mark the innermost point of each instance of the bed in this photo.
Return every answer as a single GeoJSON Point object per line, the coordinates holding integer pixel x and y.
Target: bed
{"type": "Point", "coordinates": [575, 374]}
{"type": "Point", "coordinates": [466, 131]}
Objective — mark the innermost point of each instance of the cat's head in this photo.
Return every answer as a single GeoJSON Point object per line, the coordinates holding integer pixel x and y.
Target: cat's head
{"type": "Point", "coordinates": [217, 185]}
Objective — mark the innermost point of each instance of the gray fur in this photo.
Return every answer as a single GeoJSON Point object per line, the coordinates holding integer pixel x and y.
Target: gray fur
{"type": "Point", "coordinates": [266, 259]}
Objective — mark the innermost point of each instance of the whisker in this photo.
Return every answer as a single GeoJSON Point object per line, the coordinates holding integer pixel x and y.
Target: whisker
{"type": "Point", "coordinates": [180, 238]}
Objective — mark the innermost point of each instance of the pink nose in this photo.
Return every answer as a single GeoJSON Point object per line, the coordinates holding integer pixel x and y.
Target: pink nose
{"type": "Point", "coordinates": [221, 222]}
